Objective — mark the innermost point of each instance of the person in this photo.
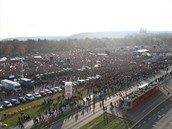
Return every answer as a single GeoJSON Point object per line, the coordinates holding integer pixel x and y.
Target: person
{"type": "Point", "coordinates": [168, 93]}
{"type": "Point", "coordinates": [21, 124]}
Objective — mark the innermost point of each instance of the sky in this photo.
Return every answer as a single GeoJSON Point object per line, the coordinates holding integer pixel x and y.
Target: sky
{"type": "Point", "coordinates": [24, 18]}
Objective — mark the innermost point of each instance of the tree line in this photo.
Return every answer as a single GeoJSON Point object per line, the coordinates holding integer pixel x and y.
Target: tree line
{"type": "Point", "coordinates": [15, 47]}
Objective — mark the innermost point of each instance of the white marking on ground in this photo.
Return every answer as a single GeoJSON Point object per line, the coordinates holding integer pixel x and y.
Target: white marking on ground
{"type": "Point", "coordinates": [138, 125]}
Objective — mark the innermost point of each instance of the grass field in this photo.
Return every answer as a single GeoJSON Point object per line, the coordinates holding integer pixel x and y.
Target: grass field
{"type": "Point", "coordinates": [12, 120]}
{"type": "Point", "coordinates": [107, 121]}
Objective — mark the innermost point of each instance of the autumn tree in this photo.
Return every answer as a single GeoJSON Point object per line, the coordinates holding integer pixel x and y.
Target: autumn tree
{"type": "Point", "coordinates": [22, 49]}
{"type": "Point", "coordinates": [8, 49]}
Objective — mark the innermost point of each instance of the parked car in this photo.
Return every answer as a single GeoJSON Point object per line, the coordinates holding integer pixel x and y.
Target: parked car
{"type": "Point", "coordinates": [14, 102]}
{"type": "Point", "coordinates": [47, 87]}
{"type": "Point", "coordinates": [4, 125]}
{"type": "Point", "coordinates": [48, 91]}
{"type": "Point", "coordinates": [37, 95]}
{"type": "Point", "coordinates": [42, 93]}
{"type": "Point", "coordinates": [53, 90]}
{"type": "Point", "coordinates": [1, 107]}
{"type": "Point", "coordinates": [58, 88]}
{"type": "Point", "coordinates": [7, 104]}
{"type": "Point", "coordinates": [29, 97]}
{"type": "Point", "coordinates": [62, 87]}
{"type": "Point", "coordinates": [74, 84]}
{"type": "Point", "coordinates": [22, 99]}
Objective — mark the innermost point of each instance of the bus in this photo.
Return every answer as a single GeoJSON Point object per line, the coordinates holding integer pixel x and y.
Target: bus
{"type": "Point", "coordinates": [144, 92]}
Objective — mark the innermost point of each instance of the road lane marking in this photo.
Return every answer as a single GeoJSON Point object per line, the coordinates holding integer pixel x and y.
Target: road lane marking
{"type": "Point", "coordinates": [149, 118]}
{"type": "Point", "coordinates": [156, 122]}
{"type": "Point", "coordinates": [138, 125]}
{"type": "Point", "coordinates": [153, 125]}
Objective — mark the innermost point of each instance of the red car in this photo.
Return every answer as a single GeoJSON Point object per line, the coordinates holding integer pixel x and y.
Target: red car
{"type": "Point", "coordinates": [42, 93]}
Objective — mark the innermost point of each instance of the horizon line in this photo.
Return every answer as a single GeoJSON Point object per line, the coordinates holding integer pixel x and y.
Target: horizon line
{"type": "Point", "coordinates": [6, 38]}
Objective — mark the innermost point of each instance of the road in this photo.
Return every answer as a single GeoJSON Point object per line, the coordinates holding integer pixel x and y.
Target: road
{"type": "Point", "coordinates": [168, 86]}
{"type": "Point", "coordinates": [159, 118]}
{"type": "Point", "coordinates": [165, 122]}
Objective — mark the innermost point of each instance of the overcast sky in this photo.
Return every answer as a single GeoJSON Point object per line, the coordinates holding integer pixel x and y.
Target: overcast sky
{"type": "Point", "coordinates": [20, 18]}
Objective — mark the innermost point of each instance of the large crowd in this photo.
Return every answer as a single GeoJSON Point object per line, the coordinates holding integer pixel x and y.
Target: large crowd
{"type": "Point", "coordinates": [115, 66]}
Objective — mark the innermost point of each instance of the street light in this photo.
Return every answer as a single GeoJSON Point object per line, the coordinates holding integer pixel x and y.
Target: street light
{"type": "Point", "coordinates": [105, 115]}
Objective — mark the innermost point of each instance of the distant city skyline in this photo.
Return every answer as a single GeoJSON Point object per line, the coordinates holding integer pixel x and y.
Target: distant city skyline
{"type": "Point", "coordinates": [25, 18]}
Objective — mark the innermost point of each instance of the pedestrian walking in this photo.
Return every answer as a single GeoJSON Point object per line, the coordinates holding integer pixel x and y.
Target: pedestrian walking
{"type": "Point", "coordinates": [21, 124]}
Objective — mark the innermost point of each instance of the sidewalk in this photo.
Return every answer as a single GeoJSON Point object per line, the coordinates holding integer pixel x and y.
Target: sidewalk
{"type": "Point", "coordinates": [85, 115]}
{"type": "Point", "coordinates": [27, 125]}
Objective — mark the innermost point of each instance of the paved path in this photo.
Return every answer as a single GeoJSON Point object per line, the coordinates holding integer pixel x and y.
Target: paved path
{"type": "Point", "coordinates": [84, 116]}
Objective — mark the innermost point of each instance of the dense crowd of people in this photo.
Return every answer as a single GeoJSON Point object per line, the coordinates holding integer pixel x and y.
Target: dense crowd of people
{"type": "Point", "coordinates": [115, 66]}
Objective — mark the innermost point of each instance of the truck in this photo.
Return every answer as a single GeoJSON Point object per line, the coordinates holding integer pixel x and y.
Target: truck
{"type": "Point", "coordinates": [11, 85]}
{"type": "Point", "coordinates": [25, 82]}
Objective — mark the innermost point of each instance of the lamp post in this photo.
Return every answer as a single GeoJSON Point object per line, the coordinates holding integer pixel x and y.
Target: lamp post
{"type": "Point", "coordinates": [22, 62]}
{"type": "Point", "coordinates": [105, 115]}
{"type": "Point", "coordinates": [125, 118]}
{"type": "Point", "coordinates": [22, 71]}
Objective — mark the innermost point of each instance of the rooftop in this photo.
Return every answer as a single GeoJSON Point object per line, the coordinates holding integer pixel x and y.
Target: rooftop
{"type": "Point", "coordinates": [142, 50]}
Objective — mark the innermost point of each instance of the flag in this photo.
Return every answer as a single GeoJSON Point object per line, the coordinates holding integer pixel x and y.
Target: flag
{"type": "Point", "coordinates": [68, 90]}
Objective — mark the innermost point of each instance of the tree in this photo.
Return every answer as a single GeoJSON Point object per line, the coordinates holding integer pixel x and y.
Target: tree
{"type": "Point", "coordinates": [8, 49]}
{"type": "Point", "coordinates": [22, 49]}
